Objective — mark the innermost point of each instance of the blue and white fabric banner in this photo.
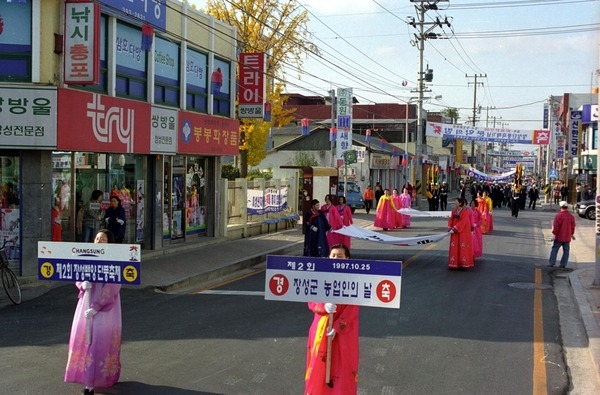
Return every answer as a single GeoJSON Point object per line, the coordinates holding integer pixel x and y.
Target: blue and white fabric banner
{"type": "Point", "coordinates": [272, 200]}
{"type": "Point", "coordinates": [431, 214]}
{"type": "Point", "coordinates": [479, 176]}
{"type": "Point", "coordinates": [364, 234]}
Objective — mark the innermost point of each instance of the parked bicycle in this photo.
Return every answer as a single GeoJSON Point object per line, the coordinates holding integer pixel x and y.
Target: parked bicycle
{"type": "Point", "coordinates": [9, 278]}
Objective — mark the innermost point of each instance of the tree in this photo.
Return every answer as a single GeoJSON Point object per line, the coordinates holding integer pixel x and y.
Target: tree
{"type": "Point", "coordinates": [451, 113]}
{"type": "Point", "coordinates": [279, 29]}
{"type": "Point", "coordinates": [305, 159]}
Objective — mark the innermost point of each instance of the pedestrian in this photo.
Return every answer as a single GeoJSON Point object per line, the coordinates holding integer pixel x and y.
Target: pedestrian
{"type": "Point", "coordinates": [490, 208]}
{"type": "Point", "coordinates": [444, 196]}
{"type": "Point", "coordinates": [397, 200]}
{"type": "Point", "coordinates": [563, 229]}
{"type": "Point", "coordinates": [343, 335]}
{"type": "Point", "coordinates": [114, 216]}
{"type": "Point", "coordinates": [476, 236]}
{"type": "Point", "coordinates": [315, 228]}
{"type": "Point", "coordinates": [483, 208]}
{"type": "Point", "coordinates": [378, 193]}
{"type": "Point", "coordinates": [533, 195]}
{"type": "Point", "coordinates": [564, 192]}
{"type": "Point", "coordinates": [334, 221]}
{"type": "Point", "coordinates": [385, 216]}
{"type": "Point", "coordinates": [56, 221]}
{"type": "Point", "coordinates": [463, 190]}
{"type": "Point", "coordinates": [368, 197]}
{"type": "Point", "coordinates": [514, 201]}
{"type": "Point", "coordinates": [345, 214]}
{"type": "Point", "coordinates": [406, 201]}
{"type": "Point", "coordinates": [94, 358]}
{"type": "Point", "coordinates": [556, 193]}
{"type": "Point", "coordinates": [92, 216]}
{"type": "Point", "coordinates": [460, 254]}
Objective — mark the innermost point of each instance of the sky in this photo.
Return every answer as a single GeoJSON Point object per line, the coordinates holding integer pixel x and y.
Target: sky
{"type": "Point", "coordinates": [521, 51]}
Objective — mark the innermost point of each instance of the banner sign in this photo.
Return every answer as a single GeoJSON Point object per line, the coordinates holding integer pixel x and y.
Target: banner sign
{"type": "Point", "coordinates": [477, 175]}
{"type": "Point", "coordinates": [271, 201]}
{"type": "Point", "coordinates": [343, 140]}
{"type": "Point", "coordinates": [519, 154]}
{"type": "Point", "coordinates": [590, 113]}
{"type": "Point", "coordinates": [163, 130]}
{"type": "Point", "coordinates": [369, 235]}
{"type": "Point", "coordinates": [99, 263]}
{"type": "Point", "coordinates": [464, 132]}
{"type": "Point", "coordinates": [82, 43]}
{"type": "Point", "coordinates": [575, 133]}
{"type": "Point", "coordinates": [341, 281]}
{"type": "Point", "coordinates": [153, 12]}
{"type": "Point", "coordinates": [252, 90]}
{"type": "Point", "coordinates": [201, 134]}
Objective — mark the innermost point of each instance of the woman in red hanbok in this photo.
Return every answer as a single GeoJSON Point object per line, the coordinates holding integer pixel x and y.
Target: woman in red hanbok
{"type": "Point", "coordinates": [398, 204]}
{"type": "Point", "coordinates": [385, 216]}
{"type": "Point", "coordinates": [334, 220]}
{"type": "Point", "coordinates": [477, 238]}
{"type": "Point", "coordinates": [346, 216]}
{"type": "Point", "coordinates": [483, 208]}
{"type": "Point", "coordinates": [490, 205]}
{"type": "Point", "coordinates": [406, 201]}
{"type": "Point", "coordinates": [344, 345]}
{"type": "Point", "coordinates": [460, 253]}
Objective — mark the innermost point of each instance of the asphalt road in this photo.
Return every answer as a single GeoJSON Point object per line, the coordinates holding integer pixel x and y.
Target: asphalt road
{"type": "Point", "coordinates": [490, 330]}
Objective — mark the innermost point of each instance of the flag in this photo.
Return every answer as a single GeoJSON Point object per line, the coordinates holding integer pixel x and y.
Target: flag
{"type": "Point", "coordinates": [383, 143]}
{"type": "Point", "coordinates": [305, 122]}
{"type": "Point", "coordinates": [332, 132]}
{"type": "Point", "coordinates": [368, 135]}
{"type": "Point", "coordinates": [147, 34]}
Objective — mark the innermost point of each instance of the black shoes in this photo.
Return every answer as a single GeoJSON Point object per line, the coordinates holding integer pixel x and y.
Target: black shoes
{"type": "Point", "coordinates": [87, 391]}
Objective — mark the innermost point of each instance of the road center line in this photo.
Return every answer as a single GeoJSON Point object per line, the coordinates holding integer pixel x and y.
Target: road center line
{"type": "Point", "coordinates": [540, 386]}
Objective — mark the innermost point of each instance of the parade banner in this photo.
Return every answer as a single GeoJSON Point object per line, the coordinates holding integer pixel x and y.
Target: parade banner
{"type": "Point", "coordinates": [492, 135]}
{"type": "Point", "coordinates": [431, 214]}
{"type": "Point", "coordinates": [364, 234]}
{"type": "Point", "coordinates": [100, 263]}
{"type": "Point", "coordinates": [479, 176]}
{"type": "Point", "coordinates": [271, 200]}
{"type": "Point", "coordinates": [341, 281]}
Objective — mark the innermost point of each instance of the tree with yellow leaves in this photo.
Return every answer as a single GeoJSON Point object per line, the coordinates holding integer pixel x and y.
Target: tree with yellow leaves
{"type": "Point", "coordinates": [279, 29]}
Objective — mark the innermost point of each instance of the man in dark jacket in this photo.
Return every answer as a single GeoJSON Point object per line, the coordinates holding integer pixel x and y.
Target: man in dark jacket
{"type": "Point", "coordinates": [534, 195]}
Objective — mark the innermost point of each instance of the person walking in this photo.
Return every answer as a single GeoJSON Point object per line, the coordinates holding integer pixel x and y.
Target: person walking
{"type": "Point", "coordinates": [344, 354]}
{"type": "Point", "coordinates": [460, 254]}
{"type": "Point", "coordinates": [397, 200]}
{"type": "Point", "coordinates": [368, 197]}
{"type": "Point", "coordinates": [476, 236]}
{"type": "Point", "coordinates": [92, 216]}
{"type": "Point", "coordinates": [563, 229]}
{"type": "Point", "coordinates": [345, 214]}
{"type": "Point", "coordinates": [315, 229]}
{"type": "Point", "coordinates": [533, 195]}
{"type": "Point", "coordinates": [444, 196]}
{"type": "Point", "coordinates": [333, 219]}
{"type": "Point", "coordinates": [385, 217]}
{"type": "Point", "coordinates": [94, 358]}
{"type": "Point", "coordinates": [406, 201]}
{"type": "Point", "coordinates": [378, 193]}
{"type": "Point", "coordinates": [114, 216]}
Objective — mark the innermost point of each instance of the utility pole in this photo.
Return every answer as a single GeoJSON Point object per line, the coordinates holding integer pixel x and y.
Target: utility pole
{"type": "Point", "coordinates": [421, 7]}
{"type": "Point", "coordinates": [333, 121]}
{"type": "Point", "coordinates": [475, 85]}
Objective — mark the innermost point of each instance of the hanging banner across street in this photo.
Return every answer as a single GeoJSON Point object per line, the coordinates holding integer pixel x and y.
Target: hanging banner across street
{"type": "Point", "coordinates": [464, 132]}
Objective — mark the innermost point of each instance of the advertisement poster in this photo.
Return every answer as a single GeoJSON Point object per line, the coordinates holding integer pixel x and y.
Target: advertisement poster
{"type": "Point", "coordinates": [140, 208]}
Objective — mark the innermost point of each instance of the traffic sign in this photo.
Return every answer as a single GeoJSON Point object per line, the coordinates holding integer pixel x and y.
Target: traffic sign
{"type": "Point", "coordinates": [553, 173]}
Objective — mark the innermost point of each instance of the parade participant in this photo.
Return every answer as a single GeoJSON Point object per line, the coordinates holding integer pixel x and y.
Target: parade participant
{"type": "Point", "coordinates": [483, 208]}
{"type": "Point", "coordinates": [398, 204]}
{"type": "Point", "coordinates": [406, 200]}
{"type": "Point", "coordinates": [378, 194]}
{"type": "Point", "coordinates": [430, 200]}
{"type": "Point", "coordinates": [476, 236]}
{"type": "Point", "coordinates": [368, 197]}
{"type": "Point", "coordinates": [114, 216]}
{"type": "Point", "coordinates": [460, 253]}
{"type": "Point", "coordinates": [514, 202]}
{"type": "Point", "coordinates": [333, 219]}
{"type": "Point", "coordinates": [95, 345]}
{"type": "Point", "coordinates": [490, 204]}
{"type": "Point", "coordinates": [385, 217]}
{"type": "Point", "coordinates": [563, 229]}
{"type": "Point", "coordinates": [444, 196]}
{"type": "Point", "coordinates": [334, 327]}
{"type": "Point", "coordinates": [345, 214]}
{"type": "Point", "coordinates": [436, 197]}
{"type": "Point", "coordinates": [533, 195]}
{"type": "Point", "coordinates": [315, 228]}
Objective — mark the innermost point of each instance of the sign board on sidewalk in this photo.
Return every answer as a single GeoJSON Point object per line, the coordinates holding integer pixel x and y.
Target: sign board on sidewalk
{"type": "Point", "coordinates": [341, 281]}
{"type": "Point", "coordinates": [102, 263]}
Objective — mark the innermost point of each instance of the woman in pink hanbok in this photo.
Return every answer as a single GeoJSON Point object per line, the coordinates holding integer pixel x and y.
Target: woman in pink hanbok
{"type": "Point", "coordinates": [385, 216]}
{"type": "Point", "coordinates": [398, 204]}
{"type": "Point", "coordinates": [344, 345]}
{"type": "Point", "coordinates": [406, 201]}
{"type": "Point", "coordinates": [94, 358]}
{"type": "Point", "coordinates": [490, 204]}
{"type": "Point", "coordinates": [346, 216]}
{"type": "Point", "coordinates": [334, 220]}
{"type": "Point", "coordinates": [476, 236]}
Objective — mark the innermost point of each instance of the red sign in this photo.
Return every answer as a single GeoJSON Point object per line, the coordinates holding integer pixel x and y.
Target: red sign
{"type": "Point", "coordinates": [94, 122]}
{"type": "Point", "coordinates": [541, 136]}
{"type": "Point", "coordinates": [206, 134]}
{"type": "Point", "coordinates": [251, 94]}
{"type": "Point", "coordinates": [82, 43]}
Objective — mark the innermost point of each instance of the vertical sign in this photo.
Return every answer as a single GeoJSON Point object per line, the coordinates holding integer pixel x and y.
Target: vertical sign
{"type": "Point", "coordinates": [574, 133]}
{"type": "Point", "coordinates": [344, 122]}
{"type": "Point", "coordinates": [251, 96]}
{"type": "Point", "coordinates": [82, 43]}
{"type": "Point", "coordinates": [560, 147]}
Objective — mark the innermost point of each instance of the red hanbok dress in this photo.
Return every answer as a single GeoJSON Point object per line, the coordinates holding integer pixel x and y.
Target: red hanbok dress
{"type": "Point", "coordinates": [345, 214]}
{"type": "Point", "coordinates": [460, 254]}
{"type": "Point", "coordinates": [484, 209]}
{"type": "Point", "coordinates": [334, 220]}
{"type": "Point", "coordinates": [406, 200]}
{"type": "Point", "coordinates": [398, 204]}
{"type": "Point", "coordinates": [344, 351]}
{"type": "Point", "coordinates": [477, 238]}
{"type": "Point", "coordinates": [386, 213]}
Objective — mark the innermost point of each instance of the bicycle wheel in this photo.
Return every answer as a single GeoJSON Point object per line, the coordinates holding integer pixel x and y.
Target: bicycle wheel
{"type": "Point", "coordinates": [11, 285]}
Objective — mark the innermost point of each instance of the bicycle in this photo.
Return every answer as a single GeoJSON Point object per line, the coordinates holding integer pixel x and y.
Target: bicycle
{"type": "Point", "coordinates": [9, 278]}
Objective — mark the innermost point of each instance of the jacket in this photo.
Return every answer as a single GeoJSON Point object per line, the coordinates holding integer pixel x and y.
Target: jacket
{"type": "Point", "coordinates": [563, 227]}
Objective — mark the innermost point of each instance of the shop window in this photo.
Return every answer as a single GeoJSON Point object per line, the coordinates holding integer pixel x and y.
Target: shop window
{"type": "Point", "coordinates": [195, 187]}
{"type": "Point", "coordinates": [196, 76]}
{"type": "Point", "coordinates": [10, 208]}
{"type": "Point", "coordinates": [131, 73]}
{"type": "Point", "coordinates": [15, 42]}
{"type": "Point", "coordinates": [219, 86]}
{"type": "Point", "coordinates": [166, 72]}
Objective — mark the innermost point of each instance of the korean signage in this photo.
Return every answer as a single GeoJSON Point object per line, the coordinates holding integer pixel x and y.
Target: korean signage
{"type": "Point", "coordinates": [379, 161]}
{"type": "Point", "coordinates": [251, 94]}
{"type": "Point", "coordinates": [163, 131]}
{"type": "Point", "coordinates": [590, 113]}
{"type": "Point", "coordinates": [341, 281]}
{"type": "Point", "coordinates": [28, 117]}
{"type": "Point", "coordinates": [82, 43]}
{"type": "Point", "coordinates": [574, 133]}
{"type": "Point", "coordinates": [100, 263]}
{"type": "Point", "coordinates": [343, 140]}
{"type": "Point", "coordinates": [153, 12]}
{"type": "Point", "coordinates": [560, 147]}
{"type": "Point", "coordinates": [463, 132]}
{"type": "Point", "coordinates": [204, 134]}
{"type": "Point", "coordinates": [272, 200]}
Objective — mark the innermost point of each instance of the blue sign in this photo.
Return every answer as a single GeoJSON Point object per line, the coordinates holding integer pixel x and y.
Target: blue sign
{"type": "Point", "coordinates": [553, 173]}
{"type": "Point", "coordinates": [153, 12]}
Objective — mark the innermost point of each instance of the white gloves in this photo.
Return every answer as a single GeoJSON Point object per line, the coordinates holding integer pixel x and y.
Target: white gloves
{"type": "Point", "coordinates": [314, 228]}
{"type": "Point", "coordinates": [86, 285]}
{"type": "Point", "coordinates": [120, 221]}
{"type": "Point", "coordinates": [89, 313]}
{"type": "Point", "coordinates": [107, 219]}
{"type": "Point", "coordinates": [331, 333]}
{"type": "Point", "coordinates": [330, 308]}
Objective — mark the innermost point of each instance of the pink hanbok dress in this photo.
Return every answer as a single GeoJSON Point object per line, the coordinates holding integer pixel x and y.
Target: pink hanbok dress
{"type": "Point", "coordinates": [344, 351]}
{"type": "Point", "coordinates": [335, 221]}
{"type": "Point", "coordinates": [385, 217]}
{"type": "Point", "coordinates": [406, 201]}
{"type": "Point", "coordinates": [477, 237]}
{"type": "Point", "coordinates": [97, 364]}
{"type": "Point", "coordinates": [398, 204]}
{"type": "Point", "coordinates": [346, 216]}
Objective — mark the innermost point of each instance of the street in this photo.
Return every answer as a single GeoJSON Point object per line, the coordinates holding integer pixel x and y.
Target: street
{"type": "Point", "coordinates": [491, 330]}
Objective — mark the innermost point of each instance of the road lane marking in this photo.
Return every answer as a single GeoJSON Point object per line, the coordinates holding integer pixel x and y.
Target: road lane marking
{"type": "Point", "coordinates": [412, 258]}
{"type": "Point", "coordinates": [539, 354]}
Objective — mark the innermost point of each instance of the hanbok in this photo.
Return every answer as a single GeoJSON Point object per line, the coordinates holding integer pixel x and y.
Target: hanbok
{"type": "Point", "coordinates": [460, 254]}
{"type": "Point", "coordinates": [315, 229]}
{"type": "Point", "coordinates": [477, 238]}
{"type": "Point", "coordinates": [398, 204]}
{"type": "Point", "coordinates": [335, 222]}
{"type": "Point", "coordinates": [345, 214]}
{"type": "Point", "coordinates": [344, 351]}
{"type": "Point", "coordinates": [484, 209]}
{"type": "Point", "coordinates": [97, 364]}
{"type": "Point", "coordinates": [386, 213]}
{"type": "Point", "coordinates": [490, 204]}
{"type": "Point", "coordinates": [406, 202]}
